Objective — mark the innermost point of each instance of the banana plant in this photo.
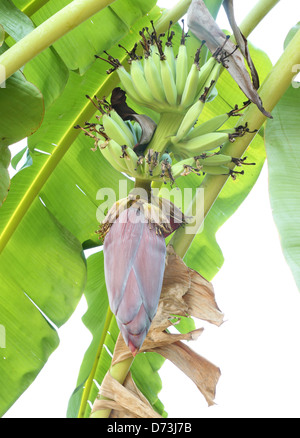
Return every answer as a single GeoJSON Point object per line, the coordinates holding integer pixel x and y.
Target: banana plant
{"type": "Point", "coordinates": [121, 103]}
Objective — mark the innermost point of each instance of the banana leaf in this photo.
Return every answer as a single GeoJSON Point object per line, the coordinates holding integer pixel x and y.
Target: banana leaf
{"type": "Point", "coordinates": [282, 145]}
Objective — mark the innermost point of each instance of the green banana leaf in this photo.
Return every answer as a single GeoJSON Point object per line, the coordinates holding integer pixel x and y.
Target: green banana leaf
{"type": "Point", "coordinates": [15, 23]}
{"type": "Point", "coordinates": [42, 277]}
{"type": "Point", "coordinates": [47, 71]}
{"type": "Point", "coordinates": [101, 32]}
{"type": "Point", "coordinates": [282, 136]}
{"type": "Point", "coordinates": [2, 34]}
{"type": "Point", "coordinates": [291, 34]}
{"type": "Point", "coordinates": [42, 267]}
{"type": "Point", "coordinates": [4, 175]}
{"type": "Point", "coordinates": [22, 110]}
{"type": "Point", "coordinates": [29, 7]}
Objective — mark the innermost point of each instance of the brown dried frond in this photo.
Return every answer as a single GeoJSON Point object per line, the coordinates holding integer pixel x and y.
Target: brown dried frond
{"type": "Point", "coordinates": [126, 401]}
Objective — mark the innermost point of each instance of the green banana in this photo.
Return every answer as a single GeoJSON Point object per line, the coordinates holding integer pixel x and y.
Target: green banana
{"type": "Point", "coordinates": [178, 168]}
{"type": "Point", "coordinates": [213, 160]}
{"type": "Point", "coordinates": [216, 170]}
{"type": "Point", "coordinates": [139, 82]}
{"type": "Point", "coordinates": [112, 155]}
{"type": "Point", "coordinates": [210, 126]}
{"type": "Point", "coordinates": [153, 78]}
{"type": "Point", "coordinates": [138, 131]}
{"type": "Point", "coordinates": [189, 92]}
{"type": "Point", "coordinates": [127, 131]}
{"type": "Point", "coordinates": [212, 78]}
{"type": "Point", "coordinates": [181, 69]}
{"type": "Point", "coordinates": [198, 145]}
{"type": "Point", "coordinates": [169, 54]}
{"type": "Point", "coordinates": [154, 53]}
{"type": "Point", "coordinates": [115, 132]}
{"type": "Point", "coordinates": [131, 160]}
{"type": "Point", "coordinates": [205, 74]}
{"type": "Point", "coordinates": [166, 157]}
{"type": "Point", "coordinates": [220, 170]}
{"type": "Point", "coordinates": [188, 121]}
{"type": "Point", "coordinates": [127, 83]}
{"type": "Point", "coordinates": [168, 82]}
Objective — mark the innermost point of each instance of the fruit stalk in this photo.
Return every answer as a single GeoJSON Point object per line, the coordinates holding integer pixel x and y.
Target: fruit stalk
{"type": "Point", "coordinates": [167, 127]}
{"type": "Point", "coordinates": [260, 10]}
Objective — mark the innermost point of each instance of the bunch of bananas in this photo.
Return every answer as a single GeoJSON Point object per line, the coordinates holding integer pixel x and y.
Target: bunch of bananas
{"type": "Point", "coordinates": [163, 83]}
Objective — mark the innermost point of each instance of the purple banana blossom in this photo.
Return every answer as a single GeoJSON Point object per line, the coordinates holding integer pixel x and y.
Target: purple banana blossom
{"type": "Point", "coordinates": [134, 263]}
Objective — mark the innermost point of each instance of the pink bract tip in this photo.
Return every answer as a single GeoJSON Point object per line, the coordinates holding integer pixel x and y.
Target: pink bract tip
{"type": "Point", "coordinates": [134, 350]}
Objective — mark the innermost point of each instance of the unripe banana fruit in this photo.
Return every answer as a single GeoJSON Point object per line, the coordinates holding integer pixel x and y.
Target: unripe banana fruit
{"type": "Point", "coordinates": [139, 82]}
{"type": "Point", "coordinates": [123, 126]}
{"type": "Point", "coordinates": [198, 145]}
{"type": "Point", "coordinates": [153, 78]}
{"type": "Point", "coordinates": [181, 69]}
{"type": "Point", "coordinates": [188, 121]}
{"type": "Point", "coordinates": [164, 83]}
{"type": "Point", "coordinates": [168, 81]}
{"type": "Point", "coordinates": [114, 131]}
{"type": "Point", "coordinates": [211, 125]}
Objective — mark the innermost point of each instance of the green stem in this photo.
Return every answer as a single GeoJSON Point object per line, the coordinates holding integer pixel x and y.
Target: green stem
{"type": "Point", "coordinates": [119, 372]}
{"type": "Point", "coordinates": [167, 127]}
{"type": "Point", "coordinates": [173, 15]}
{"type": "Point", "coordinates": [271, 91]}
{"type": "Point", "coordinates": [89, 382]}
{"type": "Point", "coordinates": [255, 16]}
{"type": "Point", "coordinates": [145, 185]}
{"type": "Point", "coordinates": [48, 32]}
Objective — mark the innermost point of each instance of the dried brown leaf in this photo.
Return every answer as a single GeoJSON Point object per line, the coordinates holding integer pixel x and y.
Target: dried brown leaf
{"type": "Point", "coordinates": [200, 299]}
{"type": "Point", "coordinates": [202, 24]}
{"type": "Point", "coordinates": [119, 104]}
{"type": "Point", "coordinates": [241, 41]}
{"type": "Point", "coordinates": [154, 339]}
{"type": "Point", "coordinates": [203, 373]}
{"type": "Point", "coordinates": [126, 401]}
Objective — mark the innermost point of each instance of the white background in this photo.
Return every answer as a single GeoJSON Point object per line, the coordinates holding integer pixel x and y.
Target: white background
{"type": "Point", "coordinates": [257, 348]}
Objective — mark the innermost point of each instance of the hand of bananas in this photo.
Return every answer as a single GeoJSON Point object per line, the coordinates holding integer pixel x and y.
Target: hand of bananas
{"type": "Point", "coordinates": [163, 83]}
